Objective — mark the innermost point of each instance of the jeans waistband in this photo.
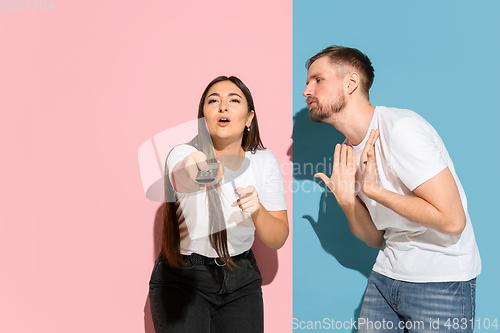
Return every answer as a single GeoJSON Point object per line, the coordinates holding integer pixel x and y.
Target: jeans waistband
{"type": "Point", "coordinates": [198, 259]}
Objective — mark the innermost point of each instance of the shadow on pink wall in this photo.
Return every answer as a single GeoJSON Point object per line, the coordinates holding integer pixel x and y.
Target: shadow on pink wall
{"type": "Point", "coordinates": [267, 260]}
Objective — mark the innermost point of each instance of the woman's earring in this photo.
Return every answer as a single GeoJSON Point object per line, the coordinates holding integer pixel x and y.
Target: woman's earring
{"type": "Point", "coordinates": [248, 129]}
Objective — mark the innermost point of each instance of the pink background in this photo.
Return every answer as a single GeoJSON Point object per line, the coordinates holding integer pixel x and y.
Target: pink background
{"type": "Point", "coordinates": [81, 88]}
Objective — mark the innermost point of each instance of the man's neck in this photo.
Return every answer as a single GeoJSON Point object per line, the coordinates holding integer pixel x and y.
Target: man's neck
{"type": "Point", "coordinates": [354, 120]}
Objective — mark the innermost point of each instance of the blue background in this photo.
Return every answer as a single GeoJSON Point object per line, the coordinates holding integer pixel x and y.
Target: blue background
{"type": "Point", "coordinates": [438, 58]}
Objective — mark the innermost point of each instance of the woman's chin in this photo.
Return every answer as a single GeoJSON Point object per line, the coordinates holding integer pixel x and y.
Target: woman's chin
{"type": "Point", "coordinates": [226, 138]}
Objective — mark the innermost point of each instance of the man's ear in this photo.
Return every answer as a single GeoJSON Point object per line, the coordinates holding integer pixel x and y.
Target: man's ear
{"type": "Point", "coordinates": [353, 82]}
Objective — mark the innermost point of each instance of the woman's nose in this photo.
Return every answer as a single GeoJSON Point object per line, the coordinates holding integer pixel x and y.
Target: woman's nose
{"type": "Point", "coordinates": [223, 106]}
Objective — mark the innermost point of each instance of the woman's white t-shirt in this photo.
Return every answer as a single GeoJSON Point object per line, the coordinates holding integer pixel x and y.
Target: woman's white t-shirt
{"type": "Point", "coordinates": [259, 169]}
{"type": "Point", "coordinates": [409, 152]}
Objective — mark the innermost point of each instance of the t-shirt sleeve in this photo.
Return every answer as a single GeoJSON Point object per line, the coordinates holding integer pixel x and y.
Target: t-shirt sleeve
{"type": "Point", "coordinates": [415, 152]}
{"type": "Point", "coordinates": [177, 154]}
{"type": "Point", "coordinates": [272, 195]}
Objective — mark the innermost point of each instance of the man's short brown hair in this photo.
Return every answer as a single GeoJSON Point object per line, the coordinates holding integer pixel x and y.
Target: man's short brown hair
{"type": "Point", "coordinates": [342, 57]}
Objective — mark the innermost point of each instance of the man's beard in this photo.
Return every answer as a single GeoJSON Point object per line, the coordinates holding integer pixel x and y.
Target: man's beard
{"type": "Point", "coordinates": [319, 113]}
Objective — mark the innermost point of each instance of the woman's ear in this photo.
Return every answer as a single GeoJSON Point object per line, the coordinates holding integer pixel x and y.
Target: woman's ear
{"type": "Point", "coordinates": [250, 118]}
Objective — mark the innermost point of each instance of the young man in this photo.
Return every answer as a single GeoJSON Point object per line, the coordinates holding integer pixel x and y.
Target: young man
{"type": "Point", "coordinates": [394, 180]}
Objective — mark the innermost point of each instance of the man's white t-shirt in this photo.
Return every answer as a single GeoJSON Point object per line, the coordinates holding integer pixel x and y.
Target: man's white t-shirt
{"type": "Point", "coordinates": [409, 152]}
{"type": "Point", "coordinates": [259, 169]}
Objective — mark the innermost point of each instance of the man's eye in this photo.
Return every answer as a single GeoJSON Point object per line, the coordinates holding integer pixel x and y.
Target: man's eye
{"type": "Point", "coordinates": [319, 80]}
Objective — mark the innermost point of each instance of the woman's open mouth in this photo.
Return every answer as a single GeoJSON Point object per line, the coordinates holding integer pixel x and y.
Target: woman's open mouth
{"type": "Point", "coordinates": [223, 121]}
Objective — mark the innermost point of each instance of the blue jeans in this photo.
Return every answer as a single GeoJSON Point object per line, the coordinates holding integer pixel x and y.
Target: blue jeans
{"type": "Point", "coordinates": [396, 306]}
{"type": "Point", "coordinates": [207, 298]}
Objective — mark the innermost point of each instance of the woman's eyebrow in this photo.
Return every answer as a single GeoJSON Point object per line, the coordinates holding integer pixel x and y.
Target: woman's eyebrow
{"type": "Point", "coordinates": [218, 95]}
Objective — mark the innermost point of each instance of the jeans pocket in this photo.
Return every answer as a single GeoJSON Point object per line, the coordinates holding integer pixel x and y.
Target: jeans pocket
{"type": "Point", "coordinates": [188, 265]}
{"type": "Point", "coordinates": [156, 267]}
{"type": "Point", "coordinates": [162, 271]}
{"type": "Point", "coordinates": [252, 264]}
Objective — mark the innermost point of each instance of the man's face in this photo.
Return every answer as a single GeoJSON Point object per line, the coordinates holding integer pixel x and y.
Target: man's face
{"type": "Point", "coordinates": [324, 93]}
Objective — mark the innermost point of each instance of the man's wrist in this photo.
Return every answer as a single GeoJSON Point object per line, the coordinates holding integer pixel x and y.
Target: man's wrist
{"type": "Point", "coordinates": [372, 191]}
{"type": "Point", "coordinates": [348, 207]}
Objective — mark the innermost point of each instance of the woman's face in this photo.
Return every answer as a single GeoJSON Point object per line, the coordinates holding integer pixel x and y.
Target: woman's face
{"type": "Point", "coordinates": [226, 113]}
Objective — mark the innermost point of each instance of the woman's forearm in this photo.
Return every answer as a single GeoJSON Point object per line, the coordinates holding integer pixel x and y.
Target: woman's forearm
{"type": "Point", "coordinates": [272, 227]}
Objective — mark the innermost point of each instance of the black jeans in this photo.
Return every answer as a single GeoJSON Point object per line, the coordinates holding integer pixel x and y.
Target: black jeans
{"type": "Point", "coordinates": [207, 298]}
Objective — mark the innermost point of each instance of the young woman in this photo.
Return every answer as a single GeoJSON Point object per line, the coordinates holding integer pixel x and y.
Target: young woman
{"type": "Point", "coordinates": [206, 278]}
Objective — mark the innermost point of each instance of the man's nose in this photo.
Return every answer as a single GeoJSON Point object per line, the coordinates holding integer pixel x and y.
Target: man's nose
{"type": "Point", "coordinates": [307, 91]}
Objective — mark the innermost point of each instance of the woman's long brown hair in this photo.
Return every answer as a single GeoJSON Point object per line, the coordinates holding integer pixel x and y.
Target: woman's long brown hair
{"type": "Point", "coordinates": [218, 235]}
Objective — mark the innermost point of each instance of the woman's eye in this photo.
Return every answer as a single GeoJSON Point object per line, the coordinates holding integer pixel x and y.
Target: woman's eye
{"type": "Point", "coordinates": [235, 100]}
{"type": "Point", "coordinates": [210, 101]}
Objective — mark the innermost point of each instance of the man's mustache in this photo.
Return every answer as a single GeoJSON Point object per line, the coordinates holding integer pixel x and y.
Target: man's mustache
{"type": "Point", "coordinates": [311, 99]}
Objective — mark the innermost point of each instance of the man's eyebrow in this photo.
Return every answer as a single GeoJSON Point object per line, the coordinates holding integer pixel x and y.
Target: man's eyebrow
{"type": "Point", "coordinates": [313, 76]}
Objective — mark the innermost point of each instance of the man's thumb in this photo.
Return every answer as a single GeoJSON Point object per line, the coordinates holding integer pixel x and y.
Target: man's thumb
{"type": "Point", "coordinates": [322, 176]}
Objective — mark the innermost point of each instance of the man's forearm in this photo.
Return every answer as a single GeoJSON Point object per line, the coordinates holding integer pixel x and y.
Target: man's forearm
{"type": "Point", "coordinates": [420, 211]}
{"type": "Point", "coordinates": [361, 224]}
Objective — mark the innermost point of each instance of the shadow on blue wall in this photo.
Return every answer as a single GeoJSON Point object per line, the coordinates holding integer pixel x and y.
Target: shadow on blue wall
{"type": "Point", "coordinates": [313, 146]}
